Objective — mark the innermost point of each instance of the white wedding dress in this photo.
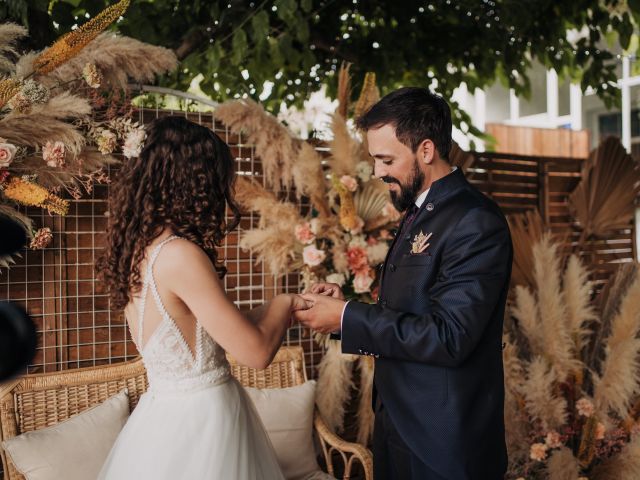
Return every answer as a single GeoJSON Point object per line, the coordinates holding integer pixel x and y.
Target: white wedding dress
{"type": "Point", "coordinates": [195, 422]}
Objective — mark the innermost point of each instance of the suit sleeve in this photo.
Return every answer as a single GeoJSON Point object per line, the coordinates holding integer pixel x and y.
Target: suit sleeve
{"type": "Point", "coordinates": [474, 273]}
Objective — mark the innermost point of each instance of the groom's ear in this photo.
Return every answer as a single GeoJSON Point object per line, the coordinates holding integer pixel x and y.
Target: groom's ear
{"type": "Point", "coordinates": [426, 151]}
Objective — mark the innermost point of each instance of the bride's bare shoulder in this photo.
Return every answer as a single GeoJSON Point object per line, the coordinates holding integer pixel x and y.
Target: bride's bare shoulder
{"type": "Point", "coordinates": [182, 255]}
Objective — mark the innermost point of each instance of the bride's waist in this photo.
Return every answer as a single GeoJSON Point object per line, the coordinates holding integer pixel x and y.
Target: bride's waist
{"type": "Point", "coordinates": [184, 384]}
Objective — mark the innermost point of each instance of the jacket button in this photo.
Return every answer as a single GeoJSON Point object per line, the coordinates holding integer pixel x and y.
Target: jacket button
{"type": "Point", "coordinates": [383, 303]}
{"type": "Point", "coordinates": [429, 207]}
{"type": "Point", "coordinates": [392, 267]}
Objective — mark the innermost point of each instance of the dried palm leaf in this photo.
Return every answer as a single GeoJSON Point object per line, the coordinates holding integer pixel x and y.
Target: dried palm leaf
{"type": "Point", "coordinates": [526, 230]}
{"type": "Point", "coordinates": [344, 148]}
{"type": "Point", "coordinates": [334, 385]}
{"type": "Point", "coordinates": [344, 89]}
{"type": "Point", "coordinates": [22, 220]}
{"type": "Point", "coordinates": [577, 296]}
{"type": "Point", "coordinates": [274, 144]}
{"type": "Point", "coordinates": [558, 343]}
{"type": "Point", "coordinates": [368, 95]}
{"type": "Point", "coordinates": [563, 465]}
{"type": "Point", "coordinates": [70, 44]}
{"type": "Point", "coordinates": [119, 60]}
{"type": "Point", "coordinates": [9, 34]}
{"type": "Point", "coordinates": [370, 200]}
{"type": "Point", "coordinates": [604, 199]}
{"type": "Point", "coordinates": [623, 466]}
{"type": "Point", "coordinates": [365, 412]}
{"type": "Point", "coordinates": [459, 158]}
{"type": "Point", "coordinates": [619, 380]}
{"type": "Point", "coordinates": [541, 399]}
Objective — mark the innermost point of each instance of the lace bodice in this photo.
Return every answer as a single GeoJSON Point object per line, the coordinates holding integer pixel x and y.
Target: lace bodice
{"type": "Point", "coordinates": [170, 363]}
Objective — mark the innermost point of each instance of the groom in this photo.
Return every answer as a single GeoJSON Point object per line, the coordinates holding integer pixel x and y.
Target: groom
{"type": "Point", "coordinates": [436, 329]}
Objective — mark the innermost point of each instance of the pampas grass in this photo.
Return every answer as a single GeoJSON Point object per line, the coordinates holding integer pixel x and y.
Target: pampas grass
{"type": "Point", "coordinates": [34, 131]}
{"type": "Point", "coordinates": [365, 410]}
{"type": "Point", "coordinates": [334, 385]}
{"type": "Point", "coordinates": [623, 466]}
{"type": "Point", "coordinates": [577, 296]}
{"type": "Point", "coordinates": [344, 149]}
{"type": "Point", "coordinates": [552, 310]}
{"type": "Point", "coordinates": [525, 309]}
{"type": "Point", "coordinates": [274, 144]}
{"type": "Point", "coordinates": [541, 400]}
{"type": "Point", "coordinates": [119, 60]}
{"type": "Point", "coordinates": [308, 177]}
{"type": "Point", "coordinates": [563, 465]}
{"type": "Point", "coordinates": [344, 89]}
{"type": "Point", "coordinates": [620, 378]}
{"type": "Point", "coordinates": [10, 33]}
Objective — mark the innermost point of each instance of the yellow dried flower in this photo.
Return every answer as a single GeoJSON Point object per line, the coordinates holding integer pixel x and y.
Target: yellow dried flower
{"type": "Point", "coordinates": [8, 88]}
{"type": "Point", "coordinates": [368, 95]}
{"type": "Point", "coordinates": [31, 194]}
{"type": "Point", "coordinates": [71, 43]}
{"type": "Point", "coordinates": [348, 216]}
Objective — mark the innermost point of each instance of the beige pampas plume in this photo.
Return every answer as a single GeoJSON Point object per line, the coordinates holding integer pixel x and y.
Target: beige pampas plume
{"type": "Point", "coordinates": [368, 95]}
{"type": "Point", "coordinates": [273, 246]}
{"type": "Point", "coordinates": [63, 106]}
{"type": "Point", "coordinates": [35, 131]}
{"type": "Point", "coordinates": [344, 148]}
{"type": "Point", "coordinates": [577, 296]}
{"type": "Point", "coordinates": [334, 385]}
{"type": "Point", "coordinates": [541, 399]}
{"type": "Point", "coordinates": [556, 335]}
{"type": "Point", "coordinates": [274, 144]}
{"type": "Point", "coordinates": [525, 310]}
{"type": "Point", "coordinates": [619, 380]}
{"type": "Point", "coordinates": [563, 465]}
{"type": "Point", "coordinates": [516, 428]}
{"type": "Point", "coordinates": [119, 60]}
{"type": "Point", "coordinates": [365, 410]}
{"type": "Point", "coordinates": [308, 177]}
{"type": "Point", "coordinates": [10, 33]}
{"type": "Point", "coordinates": [623, 466]}
{"type": "Point", "coordinates": [344, 89]}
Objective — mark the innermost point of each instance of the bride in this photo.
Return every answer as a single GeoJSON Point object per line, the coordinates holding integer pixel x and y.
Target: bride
{"type": "Point", "coordinates": [167, 216]}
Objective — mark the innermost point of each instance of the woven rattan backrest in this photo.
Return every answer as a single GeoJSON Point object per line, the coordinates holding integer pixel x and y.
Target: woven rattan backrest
{"type": "Point", "coordinates": [39, 401]}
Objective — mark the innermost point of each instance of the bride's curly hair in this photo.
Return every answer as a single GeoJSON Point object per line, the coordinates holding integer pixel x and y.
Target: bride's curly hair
{"type": "Point", "coordinates": [182, 180]}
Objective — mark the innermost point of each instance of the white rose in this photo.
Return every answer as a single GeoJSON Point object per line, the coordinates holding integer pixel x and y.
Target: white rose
{"type": "Point", "coordinates": [362, 282]}
{"type": "Point", "coordinates": [7, 152]}
{"type": "Point", "coordinates": [364, 171]}
{"type": "Point", "coordinates": [377, 253]}
{"type": "Point", "coordinates": [312, 256]}
{"type": "Point", "coordinates": [338, 278]}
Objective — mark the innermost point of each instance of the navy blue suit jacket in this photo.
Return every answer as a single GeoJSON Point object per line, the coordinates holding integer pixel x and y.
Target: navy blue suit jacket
{"type": "Point", "coordinates": [436, 333]}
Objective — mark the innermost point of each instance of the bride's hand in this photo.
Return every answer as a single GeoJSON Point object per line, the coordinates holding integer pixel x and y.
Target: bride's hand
{"type": "Point", "coordinates": [299, 303]}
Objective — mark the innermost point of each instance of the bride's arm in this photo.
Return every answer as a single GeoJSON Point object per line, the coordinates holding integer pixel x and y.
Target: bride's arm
{"type": "Point", "coordinates": [191, 276]}
{"type": "Point", "coordinates": [255, 314]}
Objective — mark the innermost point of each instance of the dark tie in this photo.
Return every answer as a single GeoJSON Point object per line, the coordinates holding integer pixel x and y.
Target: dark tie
{"type": "Point", "coordinates": [406, 225]}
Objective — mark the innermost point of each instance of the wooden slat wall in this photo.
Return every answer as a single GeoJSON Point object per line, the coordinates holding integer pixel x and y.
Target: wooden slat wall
{"type": "Point", "coordinates": [519, 183]}
{"type": "Point", "coordinates": [539, 142]}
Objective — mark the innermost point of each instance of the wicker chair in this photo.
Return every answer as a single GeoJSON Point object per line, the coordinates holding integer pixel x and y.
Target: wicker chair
{"type": "Point", "coordinates": [37, 401]}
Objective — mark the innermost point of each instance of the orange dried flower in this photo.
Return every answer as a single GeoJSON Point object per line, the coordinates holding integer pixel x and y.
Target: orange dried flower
{"type": "Point", "coordinates": [31, 194]}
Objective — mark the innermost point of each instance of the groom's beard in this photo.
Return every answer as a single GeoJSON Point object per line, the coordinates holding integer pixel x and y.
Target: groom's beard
{"type": "Point", "coordinates": [409, 191]}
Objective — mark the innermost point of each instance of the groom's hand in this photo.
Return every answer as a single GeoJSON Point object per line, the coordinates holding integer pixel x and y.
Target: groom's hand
{"type": "Point", "coordinates": [331, 289]}
{"type": "Point", "coordinates": [324, 316]}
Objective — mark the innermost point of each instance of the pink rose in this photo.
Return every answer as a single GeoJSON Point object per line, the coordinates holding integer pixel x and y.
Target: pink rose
{"type": "Point", "coordinates": [349, 182]}
{"type": "Point", "coordinates": [552, 440]}
{"type": "Point", "coordinates": [538, 452]}
{"type": "Point", "coordinates": [585, 407]}
{"type": "Point", "coordinates": [312, 256]}
{"type": "Point", "coordinates": [53, 154]}
{"type": "Point", "coordinates": [357, 259]}
{"type": "Point", "coordinates": [362, 282]}
{"type": "Point", "coordinates": [7, 152]}
{"type": "Point", "coordinates": [304, 234]}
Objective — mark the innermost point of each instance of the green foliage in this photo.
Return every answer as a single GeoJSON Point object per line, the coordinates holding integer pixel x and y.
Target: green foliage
{"type": "Point", "coordinates": [299, 44]}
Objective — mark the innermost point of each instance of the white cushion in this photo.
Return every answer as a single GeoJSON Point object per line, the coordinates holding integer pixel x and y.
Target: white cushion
{"type": "Point", "coordinates": [287, 414]}
{"type": "Point", "coordinates": [74, 449]}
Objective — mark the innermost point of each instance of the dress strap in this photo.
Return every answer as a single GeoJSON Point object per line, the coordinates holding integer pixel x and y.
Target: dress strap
{"type": "Point", "coordinates": [148, 280]}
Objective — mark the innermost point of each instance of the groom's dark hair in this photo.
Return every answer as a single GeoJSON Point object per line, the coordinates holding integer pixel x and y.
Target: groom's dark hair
{"type": "Point", "coordinates": [416, 114]}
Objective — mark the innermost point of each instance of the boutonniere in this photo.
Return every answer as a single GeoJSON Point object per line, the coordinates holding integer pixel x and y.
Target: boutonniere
{"type": "Point", "coordinates": [419, 243]}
